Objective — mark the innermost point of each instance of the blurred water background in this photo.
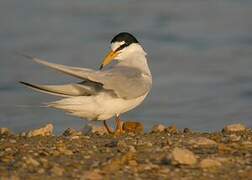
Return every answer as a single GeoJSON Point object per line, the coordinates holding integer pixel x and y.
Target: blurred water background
{"type": "Point", "coordinates": [200, 55]}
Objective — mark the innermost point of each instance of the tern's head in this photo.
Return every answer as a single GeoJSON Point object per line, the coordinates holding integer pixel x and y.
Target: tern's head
{"type": "Point", "coordinates": [122, 46]}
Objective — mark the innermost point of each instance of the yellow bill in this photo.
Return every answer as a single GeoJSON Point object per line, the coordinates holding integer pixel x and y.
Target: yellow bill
{"type": "Point", "coordinates": [109, 57]}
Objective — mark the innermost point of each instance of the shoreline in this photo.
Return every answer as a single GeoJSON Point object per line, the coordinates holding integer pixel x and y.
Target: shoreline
{"type": "Point", "coordinates": [164, 152]}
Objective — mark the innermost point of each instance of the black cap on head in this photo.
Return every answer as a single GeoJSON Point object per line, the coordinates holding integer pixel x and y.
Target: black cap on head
{"type": "Point", "coordinates": [126, 37]}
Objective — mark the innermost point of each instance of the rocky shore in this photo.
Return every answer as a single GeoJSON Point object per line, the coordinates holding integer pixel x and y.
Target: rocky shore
{"type": "Point", "coordinates": [92, 154]}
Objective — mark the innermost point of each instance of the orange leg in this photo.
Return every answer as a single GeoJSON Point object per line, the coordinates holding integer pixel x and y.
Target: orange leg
{"type": "Point", "coordinates": [107, 127]}
{"type": "Point", "coordinates": [119, 125]}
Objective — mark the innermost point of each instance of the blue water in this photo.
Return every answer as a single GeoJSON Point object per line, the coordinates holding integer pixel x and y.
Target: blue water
{"type": "Point", "coordinates": [200, 55]}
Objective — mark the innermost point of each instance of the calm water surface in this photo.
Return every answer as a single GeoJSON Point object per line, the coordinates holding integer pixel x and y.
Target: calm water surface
{"type": "Point", "coordinates": [200, 54]}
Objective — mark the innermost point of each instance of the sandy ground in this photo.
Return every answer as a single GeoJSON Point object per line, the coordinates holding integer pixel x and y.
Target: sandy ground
{"type": "Point", "coordinates": [164, 153]}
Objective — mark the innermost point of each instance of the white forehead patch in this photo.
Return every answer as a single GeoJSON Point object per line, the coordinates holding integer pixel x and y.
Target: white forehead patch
{"type": "Point", "coordinates": [116, 45]}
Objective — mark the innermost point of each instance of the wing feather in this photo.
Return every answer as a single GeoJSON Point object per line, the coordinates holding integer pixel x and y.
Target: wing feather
{"type": "Point", "coordinates": [125, 82]}
{"type": "Point", "coordinates": [67, 90]}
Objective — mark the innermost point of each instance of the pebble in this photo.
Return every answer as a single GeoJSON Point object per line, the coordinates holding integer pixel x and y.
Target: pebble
{"type": "Point", "coordinates": [30, 161]}
{"type": "Point", "coordinates": [71, 132]}
{"type": "Point", "coordinates": [124, 147]}
{"type": "Point", "coordinates": [112, 144]}
{"type": "Point", "coordinates": [234, 138]}
{"type": "Point", "coordinates": [233, 128]}
{"type": "Point", "coordinates": [171, 129]}
{"type": "Point", "coordinates": [158, 128]}
{"type": "Point", "coordinates": [47, 130]}
{"type": "Point", "coordinates": [149, 144]}
{"type": "Point", "coordinates": [247, 174]}
{"type": "Point", "coordinates": [132, 163]}
{"type": "Point", "coordinates": [8, 149]}
{"type": "Point", "coordinates": [5, 131]}
{"type": "Point", "coordinates": [41, 171]}
{"type": "Point", "coordinates": [209, 163]}
{"type": "Point", "coordinates": [64, 150]}
{"type": "Point", "coordinates": [133, 127]}
{"type": "Point", "coordinates": [148, 166]}
{"type": "Point", "coordinates": [202, 142]}
{"type": "Point", "coordinates": [187, 130]}
{"type": "Point", "coordinates": [92, 129]}
{"type": "Point", "coordinates": [13, 141]}
{"type": "Point", "coordinates": [247, 143]}
{"type": "Point", "coordinates": [6, 159]}
{"type": "Point", "coordinates": [12, 177]}
{"type": "Point", "coordinates": [92, 175]}
{"type": "Point", "coordinates": [183, 156]}
{"type": "Point", "coordinates": [170, 156]}
{"type": "Point", "coordinates": [74, 137]}
{"type": "Point", "coordinates": [132, 149]}
{"type": "Point", "coordinates": [56, 170]}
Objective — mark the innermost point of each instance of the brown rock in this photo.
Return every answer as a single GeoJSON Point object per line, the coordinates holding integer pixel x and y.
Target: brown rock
{"type": "Point", "coordinates": [41, 171]}
{"type": "Point", "coordinates": [183, 156]}
{"type": "Point", "coordinates": [158, 128]}
{"type": "Point", "coordinates": [30, 161]}
{"type": "Point", "coordinates": [56, 170]}
{"type": "Point", "coordinates": [92, 129]}
{"type": "Point", "coordinates": [7, 159]}
{"type": "Point", "coordinates": [61, 148]}
{"type": "Point", "coordinates": [233, 128]}
{"type": "Point", "coordinates": [171, 129]}
{"type": "Point", "coordinates": [124, 147]}
{"type": "Point", "coordinates": [202, 142]}
{"type": "Point", "coordinates": [234, 138]}
{"type": "Point", "coordinates": [209, 163]}
{"type": "Point", "coordinates": [12, 177]}
{"type": "Point", "coordinates": [133, 127]}
{"type": "Point", "coordinates": [118, 162]}
{"type": "Point", "coordinates": [71, 132]}
{"type": "Point", "coordinates": [5, 131]}
{"type": "Point", "coordinates": [187, 130]}
{"type": "Point", "coordinates": [224, 148]}
{"type": "Point", "coordinates": [132, 163]}
{"type": "Point", "coordinates": [92, 175]}
{"type": "Point", "coordinates": [247, 174]}
{"type": "Point", "coordinates": [47, 130]}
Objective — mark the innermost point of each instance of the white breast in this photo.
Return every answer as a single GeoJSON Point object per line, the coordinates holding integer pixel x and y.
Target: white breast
{"type": "Point", "coordinates": [118, 106]}
{"type": "Point", "coordinates": [100, 107]}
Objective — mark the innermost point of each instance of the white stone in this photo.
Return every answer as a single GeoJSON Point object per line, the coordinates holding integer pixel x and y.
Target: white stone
{"type": "Point", "coordinates": [92, 129]}
{"type": "Point", "coordinates": [232, 128]}
{"type": "Point", "coordinates": [158, 128]}
{"type": "Point", "coordinates": [209, 163]}
{"type": "Point", "coordinates": [47, 130]}
{"type": "Point", "coordinates": [5, 131]}
{"type": "Point", "coordinates": [202, 141]}
{"type": "Point", "coordinates": [29, 160]}
{"type": "Point", "coordinates": [184, 156]}
{"type": "Point", "coordinates": [56, 170]}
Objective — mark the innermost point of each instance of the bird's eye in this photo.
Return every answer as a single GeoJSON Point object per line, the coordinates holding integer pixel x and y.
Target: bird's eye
{"type": "Point", "coordinates": [121, 47]}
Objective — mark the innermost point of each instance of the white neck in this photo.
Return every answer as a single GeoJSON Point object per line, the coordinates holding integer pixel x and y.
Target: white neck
{"type": "Point", "coordinates": [136, 60]}
{"type": "Point", "coordinates": [134, 56]}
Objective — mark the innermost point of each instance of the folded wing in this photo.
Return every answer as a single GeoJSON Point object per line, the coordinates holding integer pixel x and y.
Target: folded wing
{"type": "Point", "coordinates": [67, 90]}
{"type": "Point", "coordinates": [125, 82]}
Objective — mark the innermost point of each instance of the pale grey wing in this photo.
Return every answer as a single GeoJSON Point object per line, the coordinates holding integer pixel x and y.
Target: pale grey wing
{"type": "Point", "coordinates": [81, 73]}
{"type": "Point", "coordinates": [125, 82]}
{"type": "Point", "coordinates": [66, 90]}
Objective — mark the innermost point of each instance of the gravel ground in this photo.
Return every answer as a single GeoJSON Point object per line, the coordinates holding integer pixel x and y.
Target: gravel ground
{"type": "Point", "coordinates": [163, 153]}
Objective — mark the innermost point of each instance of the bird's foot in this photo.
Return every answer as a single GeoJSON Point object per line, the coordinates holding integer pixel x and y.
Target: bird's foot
{"type": "Point", "coordinates": [119, 128]}
{"type": "Point", "coordinates": [109, 131]}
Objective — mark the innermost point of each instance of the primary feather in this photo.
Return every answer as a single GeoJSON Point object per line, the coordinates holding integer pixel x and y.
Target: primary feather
{"type": "Point", "coordinates": [125, 82]}
{"type": "Point", "coordinates": [66, 90]}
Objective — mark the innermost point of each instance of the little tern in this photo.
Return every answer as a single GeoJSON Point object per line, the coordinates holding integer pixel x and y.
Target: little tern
{"type": "Point", "coordinates": [105, 93]}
